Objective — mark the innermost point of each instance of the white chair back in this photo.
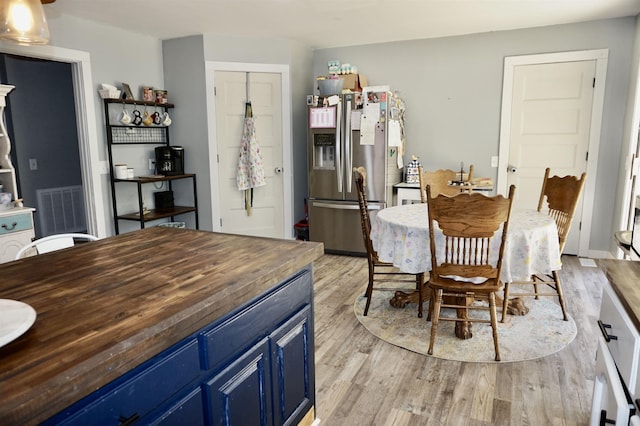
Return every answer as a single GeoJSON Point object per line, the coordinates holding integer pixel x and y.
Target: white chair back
{"type": "Point", "coordinates": [53, 243]}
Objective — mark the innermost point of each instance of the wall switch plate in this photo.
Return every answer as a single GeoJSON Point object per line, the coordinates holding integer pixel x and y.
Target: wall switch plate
{"type": "Point", "coordinates": [33, 164]}
{"type": "Point", "coordinates": [152, 164]}
{"type": "Point", "coordinates": [494, 161]}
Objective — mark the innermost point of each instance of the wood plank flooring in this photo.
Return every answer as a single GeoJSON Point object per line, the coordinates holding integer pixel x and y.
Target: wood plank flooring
{"type": "Point", "coordinates": [362, 380]}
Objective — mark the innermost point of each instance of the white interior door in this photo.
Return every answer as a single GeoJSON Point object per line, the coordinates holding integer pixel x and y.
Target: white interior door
{"type": "Point", "coordinates": [545, 104]}
{"type": "Point", "coordinates": [266, 217]}
{"type": "Point", "coordinates": [551, 118]}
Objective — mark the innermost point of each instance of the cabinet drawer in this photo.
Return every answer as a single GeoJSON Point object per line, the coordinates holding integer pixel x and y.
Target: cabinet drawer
{"type": "Point", "coordinates": [236, 333]}
{"type": "Point", "coordinates": [610, 405]}
{"type": "Point", "coordinates": [187, 411]}
{"type": "Point", "coordinates": [15, 223]}
{"type": "Point", "coordinates": [624, 339]}
{"type": "Point", "coordinates": [142, 392]}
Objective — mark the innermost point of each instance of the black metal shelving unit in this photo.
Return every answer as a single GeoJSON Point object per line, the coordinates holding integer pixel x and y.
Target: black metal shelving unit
{"type": "Point", "coordinates": [119, 134]}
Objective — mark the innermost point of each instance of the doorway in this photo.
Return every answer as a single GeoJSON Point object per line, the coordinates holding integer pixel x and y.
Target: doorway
{"type": "Point", "coordinates": [41, 122]}
{"type": "Point", "coordinates": [559, 89]}
{"type": "Point", "coordinates": [88, 141]}
{"type": "Point", "coordinates": [269, 90]}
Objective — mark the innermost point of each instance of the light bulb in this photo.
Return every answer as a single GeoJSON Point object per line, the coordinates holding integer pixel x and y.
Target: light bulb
{"type": "Point", "coordinates": [23, 22]}
{"type": "Point", "coordinates": [21, 17]}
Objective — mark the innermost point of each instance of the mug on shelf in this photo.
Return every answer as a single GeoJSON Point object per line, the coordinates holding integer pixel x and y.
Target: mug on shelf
{"type": "Point", "coordinates": [146, 119]}
{"type": "Point", "coordinates": [137, 118]}
{"type": "Point", "coordinates": [124, 117]}
{"type": "Point", "coordinates": [166, 120]}
{"type": "Point", "coordinates": [157, 118]}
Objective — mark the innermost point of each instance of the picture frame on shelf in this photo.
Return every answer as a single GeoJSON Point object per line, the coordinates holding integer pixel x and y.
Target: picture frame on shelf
{"type": "Point", "coordinates": [126, 90]}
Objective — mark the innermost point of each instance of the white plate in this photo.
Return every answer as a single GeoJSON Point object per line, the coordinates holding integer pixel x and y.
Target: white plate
{"type": "Point", "coordinates": [15, 319]}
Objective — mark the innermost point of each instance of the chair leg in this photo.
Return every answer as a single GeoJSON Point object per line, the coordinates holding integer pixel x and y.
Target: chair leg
{"type": "Point", "coordinates": [556, 278]}
{"type": "Point", "coordinates": [505, 301]}
{"type": "Point", "coordinates": [535, 286]}
{"type": "Point", "coordinates": [420, 284]}
{"type": "Point", "coordinates": [437, 300]}
{"type": "Point", "coordinates": [494, 324]}
{"type": "Point", "coordinates": [369, 291]}
{"type": "Point", "coordinates": [432, 298]}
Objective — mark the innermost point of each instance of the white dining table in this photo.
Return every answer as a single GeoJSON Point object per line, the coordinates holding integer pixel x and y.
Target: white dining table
{"type": "Point", "coordinates": [400, 235]}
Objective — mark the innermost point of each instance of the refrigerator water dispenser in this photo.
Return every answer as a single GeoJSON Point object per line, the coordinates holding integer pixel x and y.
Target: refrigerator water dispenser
{"type": "Point", "coordinates": [324, 146]}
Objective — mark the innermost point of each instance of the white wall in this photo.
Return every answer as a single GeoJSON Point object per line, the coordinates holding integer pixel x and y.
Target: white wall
{"type": "Point", "coordinates": [452, 89]}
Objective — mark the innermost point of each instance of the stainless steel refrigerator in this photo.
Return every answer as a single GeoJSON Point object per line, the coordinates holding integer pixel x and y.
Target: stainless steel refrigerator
{"type": "Point", "coordinates": [347, 131]}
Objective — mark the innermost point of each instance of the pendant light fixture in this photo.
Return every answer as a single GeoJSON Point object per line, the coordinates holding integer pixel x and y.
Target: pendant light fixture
{"type": "Point", "coordinates": [23, 22]}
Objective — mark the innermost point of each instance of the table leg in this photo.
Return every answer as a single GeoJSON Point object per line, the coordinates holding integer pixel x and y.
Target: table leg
{"type": "Point", "coordinates": [401, 299]}
{"type": "Point", "coordinates": [463, 328]}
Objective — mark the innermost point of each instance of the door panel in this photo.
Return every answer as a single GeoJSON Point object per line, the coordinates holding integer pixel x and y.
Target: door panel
{"type": "Point", "coordinates": [241, 393]}
{"type": "Point", "coordinates": [551, 120]}
{"type": "Point", "coordinates": [266, 216]}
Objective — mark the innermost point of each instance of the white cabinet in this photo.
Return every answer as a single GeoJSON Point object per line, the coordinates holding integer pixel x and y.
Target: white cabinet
{"type": "Point", "coordinates": [16, 231]}
{"type": "Point", "coordinates": [16, 224]}
{"type": "Point", "coordinates": [610, 404]}
{"type": "Point", "coordinates": [616, 376]}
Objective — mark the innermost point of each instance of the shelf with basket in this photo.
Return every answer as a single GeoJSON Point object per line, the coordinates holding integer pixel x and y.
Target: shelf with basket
{"type": "Point", "coordinates": [122, 130]}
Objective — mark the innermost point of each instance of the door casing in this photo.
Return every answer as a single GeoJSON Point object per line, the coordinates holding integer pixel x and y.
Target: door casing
{"type": "Point", "coordinates": [287, 152]}
{"type": "Point", "coordinates": [94, 196]}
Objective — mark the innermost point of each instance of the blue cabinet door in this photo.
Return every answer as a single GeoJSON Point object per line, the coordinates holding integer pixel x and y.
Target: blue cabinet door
{"type": "Point", "coordinates": [241, 393]}
{"type": "Point", "coordinates": [293, 368]}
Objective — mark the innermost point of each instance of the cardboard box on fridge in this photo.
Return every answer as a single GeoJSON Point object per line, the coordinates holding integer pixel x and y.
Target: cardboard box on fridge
{"type": "Point", "coordinates": [353, 82]}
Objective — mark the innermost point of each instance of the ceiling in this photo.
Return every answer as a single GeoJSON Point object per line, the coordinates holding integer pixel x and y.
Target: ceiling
{"type": "Point", "coordinates": [335, 23]}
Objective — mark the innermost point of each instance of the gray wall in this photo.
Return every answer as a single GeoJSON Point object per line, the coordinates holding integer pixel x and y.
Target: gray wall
{"type": "Point", "coordinates": [184, 62]}
{"type": "Point", "coordinates": [451, 86]}
{"type": "Point", "coordinates": [116, 56]}
{"type": "Point", "coordinates": [452, 89]}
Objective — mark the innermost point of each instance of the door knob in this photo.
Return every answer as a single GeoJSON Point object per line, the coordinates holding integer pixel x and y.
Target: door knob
{"type": "Point", "coordinates": [278, 170]}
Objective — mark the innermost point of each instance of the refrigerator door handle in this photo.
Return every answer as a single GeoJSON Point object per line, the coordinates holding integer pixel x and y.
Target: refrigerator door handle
{"type": "Point", "coordinates": [339, 164]}
{"type": "Point", "coordinates": [344, 206]}
{"type": "Point", "coordinates": [347, 146]}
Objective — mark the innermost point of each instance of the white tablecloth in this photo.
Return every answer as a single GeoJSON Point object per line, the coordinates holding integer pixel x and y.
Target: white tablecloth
{"type": "Point", "coordinates": [400, 235]}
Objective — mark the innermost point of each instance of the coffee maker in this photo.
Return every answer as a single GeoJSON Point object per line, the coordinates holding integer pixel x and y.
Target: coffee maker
{"type": "Point", "coordinates": [170, 160]}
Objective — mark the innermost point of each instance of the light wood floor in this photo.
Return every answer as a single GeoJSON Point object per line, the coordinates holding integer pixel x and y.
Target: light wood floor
{"type": "Point", "coordinates": [361, 380]}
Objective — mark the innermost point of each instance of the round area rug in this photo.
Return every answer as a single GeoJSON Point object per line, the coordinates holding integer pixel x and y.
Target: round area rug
{"type": "Point", "coordinates": [540, 333]}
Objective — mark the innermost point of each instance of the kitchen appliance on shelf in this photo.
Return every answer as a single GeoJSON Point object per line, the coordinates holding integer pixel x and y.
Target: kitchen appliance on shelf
{"type": "Point", "coordinates": [170, 160]}
{"type": "Point", "coordinates": [346, 131]}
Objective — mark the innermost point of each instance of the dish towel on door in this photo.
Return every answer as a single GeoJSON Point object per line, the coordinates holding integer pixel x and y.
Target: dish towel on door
{"type": "Point", "coordinates": [250, 173]}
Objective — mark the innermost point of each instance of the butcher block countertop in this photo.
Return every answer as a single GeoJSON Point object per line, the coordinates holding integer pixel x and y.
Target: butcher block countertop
{"type": "Point", "coordinates": [107, 306]}
{"type": "Point", "coordinates": [624, 276]}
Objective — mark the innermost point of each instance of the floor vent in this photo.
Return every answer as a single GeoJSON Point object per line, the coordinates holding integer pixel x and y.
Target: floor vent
{"type": "Point", "coordinates": [61, 210]}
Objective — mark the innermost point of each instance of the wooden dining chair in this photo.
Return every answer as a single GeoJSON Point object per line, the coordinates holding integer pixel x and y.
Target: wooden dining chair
{"type": "Point", "coordinates": [379, 271]}
{"type": "Point", "coordinates": [462, 260]}
{"type": "Point", "coordinates": [53, 243]}
{"type": "Point", "coordinates": [439, 181]}
{"type": "Point", "coordinates": [561, 195]}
